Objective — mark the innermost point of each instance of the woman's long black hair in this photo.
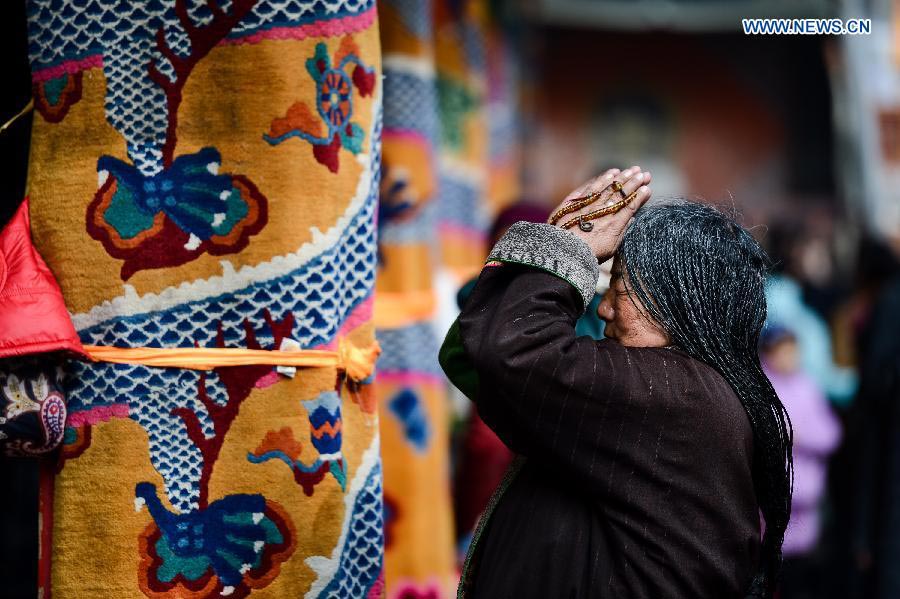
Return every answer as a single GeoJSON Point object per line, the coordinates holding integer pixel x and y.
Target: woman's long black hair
{"type": "Point", "coordinates": [701, 276]}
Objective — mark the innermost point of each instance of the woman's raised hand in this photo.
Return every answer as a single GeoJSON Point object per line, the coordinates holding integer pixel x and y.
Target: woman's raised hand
{"type": "Point", "coordinates": [604, 234]}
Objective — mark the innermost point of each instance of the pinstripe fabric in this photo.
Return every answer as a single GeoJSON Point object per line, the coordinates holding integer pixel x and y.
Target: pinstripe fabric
{"type": "Point", "coordinates": [638, 478]}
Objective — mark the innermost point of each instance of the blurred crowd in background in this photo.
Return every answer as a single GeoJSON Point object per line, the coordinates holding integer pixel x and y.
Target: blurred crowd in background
{"type": "Point", "coordinates": [494, 111]}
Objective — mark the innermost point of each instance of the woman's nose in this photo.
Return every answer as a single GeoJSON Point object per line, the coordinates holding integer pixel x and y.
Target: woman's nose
{"type": "Point", "coordinates": [604, 309]}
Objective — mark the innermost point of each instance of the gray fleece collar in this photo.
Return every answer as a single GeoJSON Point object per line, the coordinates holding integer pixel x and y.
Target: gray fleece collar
{"type": "Point", "coordinates": [552, 249]}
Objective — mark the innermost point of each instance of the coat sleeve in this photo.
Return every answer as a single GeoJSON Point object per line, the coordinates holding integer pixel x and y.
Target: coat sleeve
{"type": "Point", "coordinates": [33, 316]}
{"type": "Point", "coordinates": [514, 348]}
{"type": "Point", "coordinates": [36, 332]}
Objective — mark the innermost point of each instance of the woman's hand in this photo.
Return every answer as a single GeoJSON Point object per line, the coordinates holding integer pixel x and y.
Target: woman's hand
{"type": "Point", "coordinates": [607, 232]}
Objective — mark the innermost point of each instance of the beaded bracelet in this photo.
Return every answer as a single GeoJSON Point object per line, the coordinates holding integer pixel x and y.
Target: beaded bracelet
{"type": "Point", "coordinates": [575, 206]}
{"type": "Point", "coordinates": [583, 220]}
{"type": "Point", "coordinates": [579, 203]}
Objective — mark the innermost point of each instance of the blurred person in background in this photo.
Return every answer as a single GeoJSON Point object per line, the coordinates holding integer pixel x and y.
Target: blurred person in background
{"type": "Point", "coordinates": [787, 308]}
{"type": "Point", "coordinates": [874, 536]}
{"type": "Point", "coordinates": [817, 433]}
{"type": "Point", "coordinates": [875, 266]}
{"type": "Point", "coordinates": [482, 458]}
{"type": "Point", "coordinates": [850, 486]}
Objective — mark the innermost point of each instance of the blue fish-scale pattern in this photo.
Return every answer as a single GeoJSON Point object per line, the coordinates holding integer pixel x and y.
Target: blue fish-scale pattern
{"type": "Point", "coordinates": [321, 294]}
{"type": "Point", "coordinates": [461, 204]}
{"type": "Point", "coordinates": [503, 123]}
{"type": "Point", "coordinates": [416, 15]}
{"type": "Point", "coordinates": [412, 348]}
{"type": "Point", "coordinates": [502, 107]}
{"type": "Point", "coordinates": [64, 29]}
{"type": "Point", "coordinates": [171, 451]}
{"type": "Point", "coordinates": [363, 551]}
{"type": "Point", "coordinates": [135, 106]}
{"type": "Point", "coordinates": [472, 38]}
{"type": "Point", "coordinates": [71, 29]}
{"type": "Point", "coordinates": [410, 103]}
{"type": "Point", "coordinates": [502, 130]}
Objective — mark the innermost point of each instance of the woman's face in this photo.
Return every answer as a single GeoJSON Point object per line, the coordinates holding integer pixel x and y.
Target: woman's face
{"type": "Point", "coordinates": [625, 321]}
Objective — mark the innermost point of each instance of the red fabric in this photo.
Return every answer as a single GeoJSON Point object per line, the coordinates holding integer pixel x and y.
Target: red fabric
{"type": "Point", "coordinates": [33, 316]}
{"type": "Point", "coordinates": [483, 462]}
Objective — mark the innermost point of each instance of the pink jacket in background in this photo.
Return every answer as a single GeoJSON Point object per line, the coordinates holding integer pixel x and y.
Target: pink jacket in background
{"type": "Point", "coordinates": [817, 433]}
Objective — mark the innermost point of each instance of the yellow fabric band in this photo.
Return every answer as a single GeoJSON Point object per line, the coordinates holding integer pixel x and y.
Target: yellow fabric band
{"type": "Point", "coordinates": [400, 309]}
{"type": "Point", "coordinates": [358, 363]}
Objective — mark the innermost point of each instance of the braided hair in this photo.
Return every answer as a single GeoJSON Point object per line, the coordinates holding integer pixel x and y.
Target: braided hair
{"type": "Point", "coordinates": [701, 276]}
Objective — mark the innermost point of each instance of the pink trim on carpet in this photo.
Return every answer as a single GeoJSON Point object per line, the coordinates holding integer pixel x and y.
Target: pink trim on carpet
{"type": "Point", "coordinates": [377, 590]}
{"type": "Point", "coordinates": [456, 230]}
{"type": "Point", "coordinates": [407, 378]}
{"type": "Point", "coordinates": [69, 67]}
{"type": "Point", "coordinates": [98, 414]}
{"type": "Point", "coordinates": [410, 134]}
{"type": "Point", "coordinates": [334, 27]}
{"type": "Point", "coordinates": [407, 588]}
{"type": "Point", "coordinates": [360, 315]}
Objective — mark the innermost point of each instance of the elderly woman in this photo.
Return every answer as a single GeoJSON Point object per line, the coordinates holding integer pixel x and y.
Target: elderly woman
{"type": "Point", "coordinates": [647, 457]}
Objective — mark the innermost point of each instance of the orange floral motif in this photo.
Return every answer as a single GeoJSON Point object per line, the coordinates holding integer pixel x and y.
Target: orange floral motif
{"type": "Point", "coordinates": [299, 117]}
{"type": "Point", "coordinates": [282, 439]}
{"type": "Point", "coordinates": [336, 79]}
